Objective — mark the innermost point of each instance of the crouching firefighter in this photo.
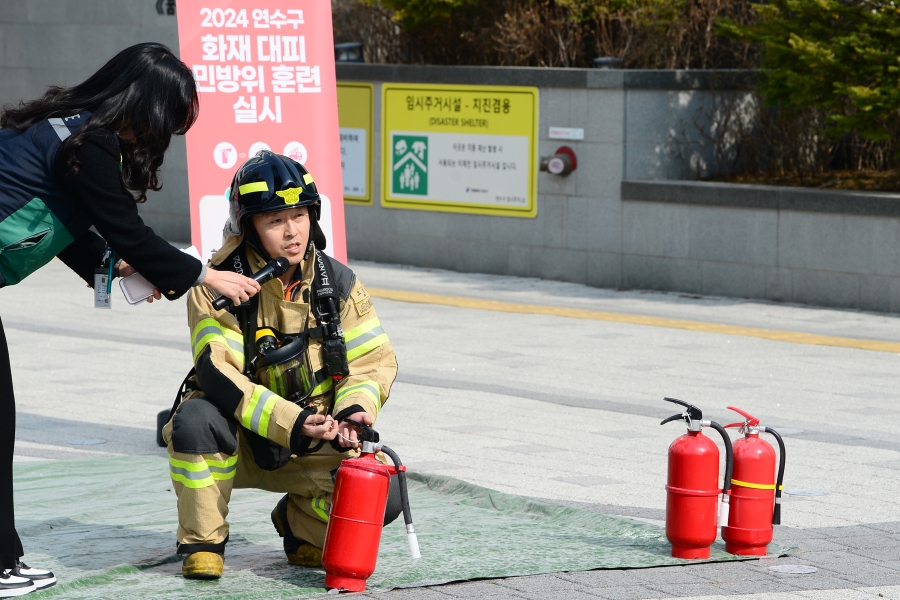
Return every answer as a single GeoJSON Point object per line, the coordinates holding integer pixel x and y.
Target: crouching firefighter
{"type": "Point", "coordinates": [278, 382]}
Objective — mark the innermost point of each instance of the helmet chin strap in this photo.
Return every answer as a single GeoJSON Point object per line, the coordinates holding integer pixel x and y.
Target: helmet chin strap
{"type": "Point", "coordinates": [316, 237]}
{"type": "Point", "coordinates": [252, 240]}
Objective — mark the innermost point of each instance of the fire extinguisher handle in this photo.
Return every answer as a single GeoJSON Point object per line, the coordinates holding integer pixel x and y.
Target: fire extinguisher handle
{"type": "Point", "coordinates": [690, 410]}
{"type": "Point", "coordinates": [670, 419]}
{"type": "Point", "coordinates": [366, 433]}
{"type": "Point", "coordinates": [750, 419]}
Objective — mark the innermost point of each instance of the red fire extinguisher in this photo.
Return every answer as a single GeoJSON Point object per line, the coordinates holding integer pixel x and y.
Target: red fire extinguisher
{"type": "Point", "coordinates": [357, 515]}
{"type": "Point", "coordinates": [754, 506]}
{"type": "Point", "coordinates": [693, 485]}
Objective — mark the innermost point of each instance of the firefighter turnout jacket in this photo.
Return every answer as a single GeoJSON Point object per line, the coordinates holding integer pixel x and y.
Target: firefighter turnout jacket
{"type": "Point", "coordinates": [218, 350]}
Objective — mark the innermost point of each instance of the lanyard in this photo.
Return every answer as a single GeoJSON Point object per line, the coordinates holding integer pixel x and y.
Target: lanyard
{"type": "Point", "coordinates": [103, 276]}
{"type": "Point", "coordinates": [110, 260]}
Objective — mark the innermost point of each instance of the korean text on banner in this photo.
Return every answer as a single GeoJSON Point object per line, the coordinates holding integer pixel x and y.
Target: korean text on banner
{"type": "Point", "coordinates": [265, 74]}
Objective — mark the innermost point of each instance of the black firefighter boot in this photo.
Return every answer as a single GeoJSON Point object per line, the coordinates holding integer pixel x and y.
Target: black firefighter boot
{"type": "Point", "coordinates": [298, 552]}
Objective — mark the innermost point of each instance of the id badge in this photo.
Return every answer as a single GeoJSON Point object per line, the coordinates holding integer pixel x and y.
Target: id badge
{"type": "Point", "coordinates": [101, 288]}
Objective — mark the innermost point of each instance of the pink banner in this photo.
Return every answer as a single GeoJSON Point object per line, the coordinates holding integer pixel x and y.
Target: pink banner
{"type": "Point", "coordinates": [265, 72]}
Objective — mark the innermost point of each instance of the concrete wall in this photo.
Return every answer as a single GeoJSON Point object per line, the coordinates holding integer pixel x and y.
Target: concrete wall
{"type": "Point", "coordinates": [62, 42]}
{"type": "Point", "coordinates": [630, 118]}
{"type": "Point", "coordinates": [623, 219]}
{"type": "Point", "coordinates": [812, 246]}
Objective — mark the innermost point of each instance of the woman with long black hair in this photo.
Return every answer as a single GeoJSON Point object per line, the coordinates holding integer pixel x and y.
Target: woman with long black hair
{"type": "Point", "coordinates": [78, 157]}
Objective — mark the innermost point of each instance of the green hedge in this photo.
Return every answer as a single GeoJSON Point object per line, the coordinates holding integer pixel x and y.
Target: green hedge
{"type": "Point", "coordinates": [839, 57]}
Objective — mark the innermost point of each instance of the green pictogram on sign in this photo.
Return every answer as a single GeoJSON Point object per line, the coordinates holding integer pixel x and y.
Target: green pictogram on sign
{"type": "Point", "coordinates": [410, 164]}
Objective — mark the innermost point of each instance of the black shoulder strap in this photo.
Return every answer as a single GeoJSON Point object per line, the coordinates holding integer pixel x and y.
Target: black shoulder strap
{"type": "Point", "coordinates": [325, 296]}
{"type": "Point", "coordinates": [326, 304]}
{"type": "Point", "coordinates": [343, 277]}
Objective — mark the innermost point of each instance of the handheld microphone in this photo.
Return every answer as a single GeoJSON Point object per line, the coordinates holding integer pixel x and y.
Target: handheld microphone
{"type": "Point", "coordinates": [275, 268]}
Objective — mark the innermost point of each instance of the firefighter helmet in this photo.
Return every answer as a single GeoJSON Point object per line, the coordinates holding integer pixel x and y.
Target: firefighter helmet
{"type": "Point", "coordinates": [269, 182]}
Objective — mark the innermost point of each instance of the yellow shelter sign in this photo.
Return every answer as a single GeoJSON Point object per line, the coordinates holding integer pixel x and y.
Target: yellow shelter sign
{"type": "Point", "coordinates": [356, 114]}
{"type": "Point", "coordinates": [460, 148]}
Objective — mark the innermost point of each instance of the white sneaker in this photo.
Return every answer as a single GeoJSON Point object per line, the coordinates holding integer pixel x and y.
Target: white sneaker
{"type": "Point", "coordinates": [13, 585]}
{"type": "Point", "coordinates": [42, 578]}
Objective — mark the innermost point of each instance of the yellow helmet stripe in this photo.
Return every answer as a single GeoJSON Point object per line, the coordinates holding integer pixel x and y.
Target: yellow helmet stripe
{"type": "Point", "coordinates": [256, 186]}
{"type": "Point", "coordinates": [307, 179]}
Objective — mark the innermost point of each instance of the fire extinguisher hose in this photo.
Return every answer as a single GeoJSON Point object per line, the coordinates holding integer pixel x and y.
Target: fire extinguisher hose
{"type": "Point", "coordinates": [404, 501]}
{"type": "Point", "coordinates": [776, 514]}
{"type": "Point", "coordinates": [729, 456]}
{"type": "Point", "coordinates": [729, 466]}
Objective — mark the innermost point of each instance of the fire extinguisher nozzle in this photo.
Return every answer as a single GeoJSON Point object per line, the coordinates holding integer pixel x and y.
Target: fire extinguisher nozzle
{"type": "Point", "coordinates": [724, 507]}
{"type": "Point", "coordinates": [413, 545]}
{"type": "Point", "coordinates": [776, 515]}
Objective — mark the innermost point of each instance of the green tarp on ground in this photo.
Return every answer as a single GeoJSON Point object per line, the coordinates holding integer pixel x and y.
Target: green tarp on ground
{"type": "Point", "coordinates": [107, 528]}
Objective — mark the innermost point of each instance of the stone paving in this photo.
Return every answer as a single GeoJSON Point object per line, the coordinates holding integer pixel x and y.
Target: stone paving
{"type": "Point", "coordinates": [560, 409]}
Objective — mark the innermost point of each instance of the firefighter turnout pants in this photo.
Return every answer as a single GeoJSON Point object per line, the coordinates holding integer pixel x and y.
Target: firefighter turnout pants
{"type": "Point", "coordinates": [209, 456]}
